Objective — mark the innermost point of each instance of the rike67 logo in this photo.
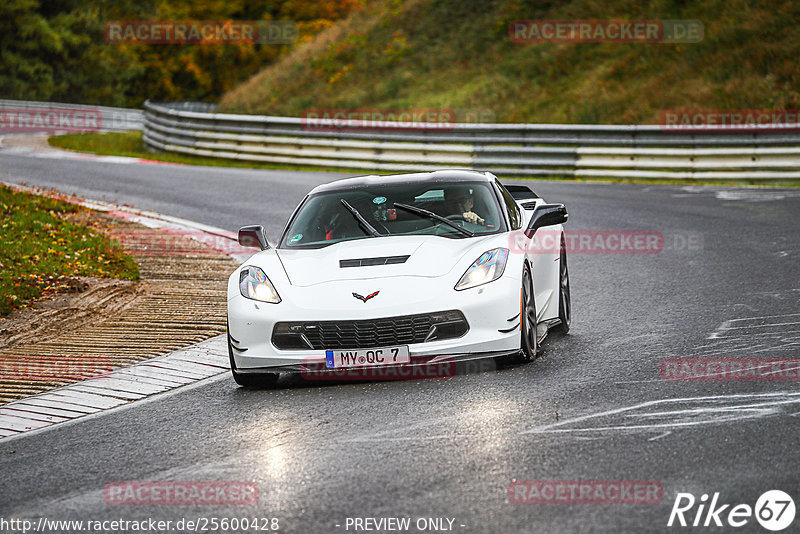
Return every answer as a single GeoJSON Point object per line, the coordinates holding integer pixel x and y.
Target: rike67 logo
{"type": "Point", "coordinates": [774, 510]}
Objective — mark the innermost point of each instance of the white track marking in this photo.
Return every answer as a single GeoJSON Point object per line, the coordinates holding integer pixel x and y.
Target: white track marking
{"type": "Point", "coordinates": [768, 325]}
{"type": "Point", "coordinates": [742, 194]}
{"type": "Point", "coordinates": [763, 317]}
{"type": "Point", "coordinates": [711, 410]}
{"type": "Point", "coordinates": [757, 334]}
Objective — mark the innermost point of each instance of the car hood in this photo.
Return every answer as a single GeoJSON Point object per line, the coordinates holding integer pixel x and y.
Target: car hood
{"type": "Point", "coordinates": [428, 256]}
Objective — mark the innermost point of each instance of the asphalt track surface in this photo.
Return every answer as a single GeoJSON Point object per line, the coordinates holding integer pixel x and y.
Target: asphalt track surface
{"type": "Point", "coordinates": [592, 407]}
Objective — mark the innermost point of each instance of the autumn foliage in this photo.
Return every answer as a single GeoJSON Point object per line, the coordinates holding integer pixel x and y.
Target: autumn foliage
{"type": "Point", "coordinates": [55, 50]}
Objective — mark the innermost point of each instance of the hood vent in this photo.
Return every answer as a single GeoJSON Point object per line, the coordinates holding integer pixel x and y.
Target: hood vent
{"type": "Point", "coordinates": [371, 262]}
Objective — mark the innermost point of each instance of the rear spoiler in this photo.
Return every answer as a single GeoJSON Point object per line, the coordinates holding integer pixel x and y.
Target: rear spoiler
{"type": "Point", "coordinates": [523, 194]}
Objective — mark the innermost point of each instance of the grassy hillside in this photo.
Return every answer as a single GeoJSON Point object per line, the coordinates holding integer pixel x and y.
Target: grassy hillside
{"type": "Point", "coordinates": [415, 54]}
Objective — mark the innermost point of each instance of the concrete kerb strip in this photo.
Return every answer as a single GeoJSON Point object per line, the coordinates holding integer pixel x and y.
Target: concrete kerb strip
{"type": "Point", "coordinates": [116, 390]}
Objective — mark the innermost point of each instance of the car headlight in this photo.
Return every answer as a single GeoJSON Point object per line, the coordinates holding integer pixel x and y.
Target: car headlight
{"type": "Point", "coordinates": [254, 284]}
{"type": "Point", "coordinates": [488, 268]}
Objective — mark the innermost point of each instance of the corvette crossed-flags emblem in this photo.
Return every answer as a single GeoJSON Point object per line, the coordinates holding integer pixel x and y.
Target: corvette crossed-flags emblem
{"type": "Point", "coordinates": [365, 299]}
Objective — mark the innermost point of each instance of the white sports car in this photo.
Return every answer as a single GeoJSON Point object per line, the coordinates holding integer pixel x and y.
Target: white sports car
{"type": "Point", "coordinates": [397, 272]}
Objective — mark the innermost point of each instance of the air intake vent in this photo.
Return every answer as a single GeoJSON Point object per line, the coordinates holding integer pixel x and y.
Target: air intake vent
{"type": "Point", "coordinates": [370, 262]}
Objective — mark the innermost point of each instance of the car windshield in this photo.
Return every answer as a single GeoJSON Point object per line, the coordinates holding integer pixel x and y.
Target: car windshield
{"type": "Point", "coordinates": [326, 218]}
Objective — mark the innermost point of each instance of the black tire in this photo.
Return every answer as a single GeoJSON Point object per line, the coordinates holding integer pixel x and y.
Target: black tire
{"type": "Point", "coordinates": [529, 338]}
{"type": "Point", "coordinates": [260, 380]}
{"type": "Point", "coordinates": [564, 302]}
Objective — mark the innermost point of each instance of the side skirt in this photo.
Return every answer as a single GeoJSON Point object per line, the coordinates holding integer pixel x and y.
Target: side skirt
{"type": "Point", "coordinates": [544, 327]}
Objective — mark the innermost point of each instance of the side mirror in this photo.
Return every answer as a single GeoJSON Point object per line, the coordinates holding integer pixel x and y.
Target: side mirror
{"type": "Point", "coordinates": [546, 215]}
{"type": "Point", "coordinates": [253, 236]}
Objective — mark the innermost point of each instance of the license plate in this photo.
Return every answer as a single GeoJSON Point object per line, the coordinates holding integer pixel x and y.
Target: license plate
{"type": "Point", "coordinates": [367, 357]}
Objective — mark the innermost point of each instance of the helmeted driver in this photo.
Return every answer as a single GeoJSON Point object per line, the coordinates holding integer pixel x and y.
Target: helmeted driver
{"type": "Point", "coordinates": [459, 201]}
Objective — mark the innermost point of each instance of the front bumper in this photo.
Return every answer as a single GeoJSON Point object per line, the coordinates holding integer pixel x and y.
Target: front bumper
{"type": "Point", "coordinates": [492, 311]}
{"type": "Point", "coordinates": [421, 367]}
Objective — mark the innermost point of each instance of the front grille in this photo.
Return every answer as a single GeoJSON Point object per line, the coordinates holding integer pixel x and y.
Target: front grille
{"type": "Point", "coordinates": [402, 330]}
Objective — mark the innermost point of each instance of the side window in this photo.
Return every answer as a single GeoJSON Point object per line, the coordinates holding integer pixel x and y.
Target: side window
{"type": "Point", "coordinates": [514, 214]}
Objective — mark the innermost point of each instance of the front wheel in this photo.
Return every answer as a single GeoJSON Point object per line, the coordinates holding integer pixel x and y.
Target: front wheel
{"type": "Point", "coordinates": [564, 303]}
{"type": "Point", "coordinates": [529, 342]}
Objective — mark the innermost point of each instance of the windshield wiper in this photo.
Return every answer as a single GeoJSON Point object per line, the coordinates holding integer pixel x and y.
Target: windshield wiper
{"type": "Point", "coordinates": [431, 215]}
{"type": "Point", "coordinates": [361, 220]}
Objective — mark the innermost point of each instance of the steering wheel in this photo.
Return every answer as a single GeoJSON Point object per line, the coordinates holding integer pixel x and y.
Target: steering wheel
{"type": "Point", "coordinates": [456, 217]}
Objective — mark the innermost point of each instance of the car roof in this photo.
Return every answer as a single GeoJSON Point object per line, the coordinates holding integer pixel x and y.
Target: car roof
{"type": "Point", "coordinates": [444, 176]}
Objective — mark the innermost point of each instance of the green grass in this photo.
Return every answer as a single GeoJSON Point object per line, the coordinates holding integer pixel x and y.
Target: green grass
{"type": "Point", "coordinates": [107, 144]}
{"type": "Point", "coordinates": [457, 54]}
{"type": "Point", "coordinates": [42, 245]}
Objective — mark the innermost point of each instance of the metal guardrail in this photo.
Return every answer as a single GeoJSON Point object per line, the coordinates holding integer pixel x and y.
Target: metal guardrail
{"type": "Point", "coordinates": [648, 151]}
{"type": "Point", "coordinates": [111, 119]}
